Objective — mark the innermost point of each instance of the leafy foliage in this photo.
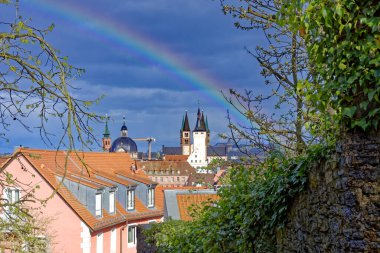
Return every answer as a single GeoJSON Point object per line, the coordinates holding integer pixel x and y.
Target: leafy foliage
{"type": "Point", "coordinates": [343, 41]}
{"type": "Point", "coordinates": [293, 124]}
{"type": "Point", "coordinates": [250, 210]}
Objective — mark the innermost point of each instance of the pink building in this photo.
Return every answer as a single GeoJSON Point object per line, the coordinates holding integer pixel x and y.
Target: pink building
{"type": "Point", "coordinates": [94, 200]}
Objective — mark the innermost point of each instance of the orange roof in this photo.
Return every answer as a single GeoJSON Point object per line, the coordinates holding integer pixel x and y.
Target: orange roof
{"type": "Point", "coordinates": [176, 158]}
{"type": "Point", "coordinates": [186, 202]}
{"type": "Point", "coordinates": [4, 159]}
{"type": "Point", "coordinates": [178, 167]}
{"type": "Point", "coordinates": [82, 167]}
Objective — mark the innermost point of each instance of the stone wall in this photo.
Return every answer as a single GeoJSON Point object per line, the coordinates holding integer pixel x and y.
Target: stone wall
{"type": "Point", "coordinates": [340, 211]}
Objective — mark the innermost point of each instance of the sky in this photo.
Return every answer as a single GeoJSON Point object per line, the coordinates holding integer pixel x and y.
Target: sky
{"type": "Point", "coordinates": [152, 59]}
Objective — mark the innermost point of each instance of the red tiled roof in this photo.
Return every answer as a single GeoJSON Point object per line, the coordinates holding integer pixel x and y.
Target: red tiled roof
{"type": "Point", "coordinates": [188, 201]}
{"type": "Point", "coordinates": [183, 167]}
{"type": "Point", "coordinates": [82, 167]}
{"type": "Point", "coordinates": [176, 158]}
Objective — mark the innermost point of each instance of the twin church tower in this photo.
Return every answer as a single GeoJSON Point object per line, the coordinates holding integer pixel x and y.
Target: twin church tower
{"type": "Point", "coordinates": [196, 150]}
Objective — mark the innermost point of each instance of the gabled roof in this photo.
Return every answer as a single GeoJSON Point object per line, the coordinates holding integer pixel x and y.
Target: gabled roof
{"type": "Point", "coordinates": [176, 158]}
{"type": "Point", "coordinates": [182, 168]}
{"type": "Point", "coordinates": [176, 208]}
{"type": "Point", "coordinates": [83, 168]}
{"type": "Point", "coordinates": [201, 178]}
{"type": "Point", "coordinates": [188, 202]}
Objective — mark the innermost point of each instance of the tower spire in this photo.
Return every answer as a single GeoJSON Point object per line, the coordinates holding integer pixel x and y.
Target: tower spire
{"type": "Point", "coordinates": [185, 135]}
{"type": "Point", "coordinates": [106, 140]}
{"type": "Point", "coordinates": [124, 129]}
{"type": "Point", "coordinates": [106, 133]}
{"type": "Point", "coordinates": [185, 126]}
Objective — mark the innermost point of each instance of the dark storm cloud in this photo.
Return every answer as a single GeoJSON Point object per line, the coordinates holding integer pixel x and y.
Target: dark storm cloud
{"type": "Point", "coordinates": [152, 98]}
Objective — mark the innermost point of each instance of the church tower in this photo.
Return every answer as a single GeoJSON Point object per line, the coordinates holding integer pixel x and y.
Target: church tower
{"type": "Point", "coordinates": [185, 136]}
{"type": "Point", "coordinates": [198, 155]}
{"type": "Point", "coordinates": [106, 140]}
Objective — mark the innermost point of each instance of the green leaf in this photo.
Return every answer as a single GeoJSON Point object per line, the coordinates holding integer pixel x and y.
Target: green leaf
{"type": "Point", "coordinates": [342, 66]}
{"type": "Point", "coordinates": [371, 94]}
{"type": "Point", "coordinates": [349, 111]}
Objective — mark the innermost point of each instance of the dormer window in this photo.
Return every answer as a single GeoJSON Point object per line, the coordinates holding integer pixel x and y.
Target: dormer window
{"type": "Point", "coordinates": [98, 205]}
{"type": "Point", "coordinates": [151, 197]}
{"type": "Point", "coordinates": [130, 199]}
{"type": "Point", "coordinates": [112, 202]}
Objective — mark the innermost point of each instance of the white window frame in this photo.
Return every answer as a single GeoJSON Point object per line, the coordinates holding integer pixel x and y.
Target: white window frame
{"type": "Point", "coordinates": [151, 200]}
{"type": "Point", "coordinates": [112, 201]}
{"type": "Point", "coordinates": [99, 243]}
{"type": "Point", "coordinates": [11, 198]}
{"type": "Point", "coordinates": [130, 199]}
{"type": "Point", "coordinates": [132, 244]}
{"type": "Point", "coordinates": [98, 204]}
{"type": "Point", "coordinates": [113, 241]}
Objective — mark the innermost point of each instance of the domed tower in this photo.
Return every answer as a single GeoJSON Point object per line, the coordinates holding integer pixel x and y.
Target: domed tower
{"type": "Point", "coordinates": [106, 140]}
{"type": "Point", "coordinates": [124, 143]}
{"type": "Point", "coordinates": [185, 136]}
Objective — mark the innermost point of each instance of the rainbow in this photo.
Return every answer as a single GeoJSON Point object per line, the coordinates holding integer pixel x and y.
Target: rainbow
{"type": "Point", "coordinates": [122, 36]}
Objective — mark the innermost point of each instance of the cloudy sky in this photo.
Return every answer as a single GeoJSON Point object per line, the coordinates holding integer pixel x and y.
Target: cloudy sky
{"type": "Point", "coordinates": [152, 59]}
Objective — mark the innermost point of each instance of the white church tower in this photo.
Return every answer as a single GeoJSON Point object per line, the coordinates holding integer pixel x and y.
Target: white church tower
{"type": "Point", "coordinates": [198, 155]}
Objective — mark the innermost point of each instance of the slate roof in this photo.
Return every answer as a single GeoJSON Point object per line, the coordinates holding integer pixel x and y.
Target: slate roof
{"type": "Point", "coordinates": [216, 151]}
{"type": "Point", "coordinates": [84, 167]}
{"type": "Point", "coordinates": [172, 150]}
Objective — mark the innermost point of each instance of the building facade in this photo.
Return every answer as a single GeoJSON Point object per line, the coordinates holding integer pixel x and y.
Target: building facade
{"type": "Point", "coordinates": [93, 201]}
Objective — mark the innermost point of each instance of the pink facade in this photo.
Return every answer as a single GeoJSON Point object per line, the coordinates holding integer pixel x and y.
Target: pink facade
{"type": "Point", "coordinates": [64, 236]}
{"type": "Point", "coordinates": [67, 231]}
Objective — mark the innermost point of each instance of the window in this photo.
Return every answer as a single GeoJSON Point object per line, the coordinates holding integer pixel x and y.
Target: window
{"type": "Point", "coordinates": [99, 243]}
{"type": "Point", "coordinates": [177, 179]}
{"type": "Point", "coordinates": [12, 195]}
{"type": "Point", "coordinates": [186, 134]}
{"type": "Point", "coordinates": [130, 199]}
{"type": "Point", "coordinates": [98, 204]}
{"type": "Point", "coordinates": [112, 202]}
{"type": "Point", "coordinates": [131, 236]}
{"type": "Point", "coordinates": [151, 197]}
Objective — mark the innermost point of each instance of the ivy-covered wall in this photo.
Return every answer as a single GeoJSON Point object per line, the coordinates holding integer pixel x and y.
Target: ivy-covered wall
{"type": "Point", "coordinates": [340, 210]}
